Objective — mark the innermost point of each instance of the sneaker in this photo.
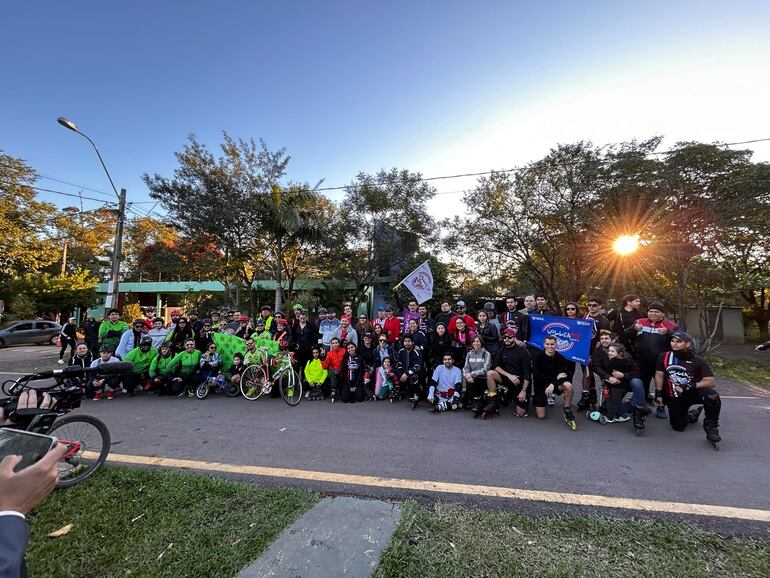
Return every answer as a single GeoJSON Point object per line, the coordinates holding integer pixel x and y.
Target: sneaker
{"type": "Point", "coordinates": [124, 391]}
{"type": "Point", "coordinates": [516, 414]}
{"type": "Point", "coordinates": [97, 396]}
{"type": "Point", "coordinates": [182, 394]}
{"type": "Point", "coordinates": [110, 395]}
{"type": "Point", "coordinates": [551, 401]}
{"type": "Point", "coordinates": [60, 362]}
{"type": "Point", "coordinates": [660, 412]}
{"type": "Point", "coordinates": [620, 419]}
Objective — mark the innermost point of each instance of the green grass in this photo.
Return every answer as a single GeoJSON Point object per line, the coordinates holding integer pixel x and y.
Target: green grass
{"type": "Point", "coordinates": [753, 372]}
{"type": "Point", "coordinates": [159, 523]}
{"type": "Point", "coordinates": [455, 541]}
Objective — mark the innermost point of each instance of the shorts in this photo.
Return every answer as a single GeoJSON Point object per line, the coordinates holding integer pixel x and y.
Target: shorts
{"type": "Point", "coordinates": [540, 399]}
{"type": "Point", "coordinates": [513, 390]}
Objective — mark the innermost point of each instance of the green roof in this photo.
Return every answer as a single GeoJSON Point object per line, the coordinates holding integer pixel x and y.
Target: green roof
{"type": "Point", "coordinates": [212, 286]}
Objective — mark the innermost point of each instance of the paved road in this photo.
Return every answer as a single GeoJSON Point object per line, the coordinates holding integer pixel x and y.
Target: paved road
{"type": "Point", "coordinates": [390, 440]}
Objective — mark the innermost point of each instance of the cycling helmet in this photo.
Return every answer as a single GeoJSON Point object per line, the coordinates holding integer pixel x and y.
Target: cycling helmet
{"type": "Point", "coordinates": [297, 307]}
{"type": "Point", "coordinates": [145, 341]}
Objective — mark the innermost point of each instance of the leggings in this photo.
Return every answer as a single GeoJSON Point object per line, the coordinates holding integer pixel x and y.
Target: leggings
{"type": "Point", "coordinates": [67, 341]}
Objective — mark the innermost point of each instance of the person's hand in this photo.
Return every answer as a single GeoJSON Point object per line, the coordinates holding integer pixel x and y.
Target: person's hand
{"type": "Point", "coordinates": [403, 378]}
{"type": "Point", "coordinates": [522, 395]}
{"type": "Point", "coordinates": [549, 390]}
{"type": "Point", "coordinates": [662, 330]}
{"type": "Point", "coordinates": [430, 399]}
{"type": "Point", "coordinates": [614, 380]}
{"type": "Point", "coordinates": [638, 326]}
{"type": "Point", "coordinates": [468, 377]}
{"type": "Point", "coordinates": [515, 379]}
{"type": "Point", "coordinates": [617, 374]}
{"type": "Point", "coordinates": [678, 389]}
{"type": "Point", "coordinates": [22, 491]}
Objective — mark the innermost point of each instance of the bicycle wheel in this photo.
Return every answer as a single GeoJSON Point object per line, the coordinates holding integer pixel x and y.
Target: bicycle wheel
{"type": "Point", "coordinates": [90, 441]}
{"type": "Point", "coordinates": [231, 389]}
{"type": "Point", "coordinates": [291, 387]}
{"type": "Point", "coordinates": [253, 382]}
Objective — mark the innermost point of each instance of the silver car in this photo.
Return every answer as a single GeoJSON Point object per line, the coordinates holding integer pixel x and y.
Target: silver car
{"type": "Point", "coordinates": [26, 331]}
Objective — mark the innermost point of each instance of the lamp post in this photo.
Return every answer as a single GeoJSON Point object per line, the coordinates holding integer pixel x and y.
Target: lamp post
{"type": "Point", "coordinates": [113, 285]}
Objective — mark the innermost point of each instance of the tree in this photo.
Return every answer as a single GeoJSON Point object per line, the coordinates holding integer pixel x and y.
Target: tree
{"type": "Point", "coordinates": [140, 233]}
{"type": "Point", "coordinates": [51, 293]}
{"type": "Point", "coordinates": [89, 236]}
{"type": "Point", "coordinates": [24, 244]}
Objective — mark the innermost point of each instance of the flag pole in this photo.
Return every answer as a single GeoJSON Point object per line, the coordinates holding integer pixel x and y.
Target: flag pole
{"type": "Point", "coordinates": [413, 270]}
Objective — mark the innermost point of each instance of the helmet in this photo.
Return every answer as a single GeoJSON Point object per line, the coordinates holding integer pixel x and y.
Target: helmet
{"type": "Point", "coordinates": [297, 307]}
{"type": "Point", "coordinates": [145, 341]}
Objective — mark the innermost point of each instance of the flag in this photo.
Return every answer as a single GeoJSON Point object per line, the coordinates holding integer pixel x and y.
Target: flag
{"type": "Point", "coordinates": [573, 336]}
{"type": "Point", "coordinates": [227, 346]}
{"type": "Point", "coordinates": [420, 283]}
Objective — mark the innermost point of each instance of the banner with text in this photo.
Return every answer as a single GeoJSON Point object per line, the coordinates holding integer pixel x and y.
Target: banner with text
{"type": "Point", "coordinates": [420, 283]}
{"type": "Point", "coordinates": [573, 336]}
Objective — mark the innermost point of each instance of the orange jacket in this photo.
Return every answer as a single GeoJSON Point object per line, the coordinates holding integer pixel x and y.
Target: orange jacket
{"type": "Point", "coordinates": [333, 359]}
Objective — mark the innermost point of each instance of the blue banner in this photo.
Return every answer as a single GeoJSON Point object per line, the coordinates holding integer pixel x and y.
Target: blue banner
{"type": "Point", "coordinates": [573, 336]}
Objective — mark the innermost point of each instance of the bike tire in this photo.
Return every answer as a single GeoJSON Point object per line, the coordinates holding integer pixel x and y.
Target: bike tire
{"type": "Point", "coordinates": [291, 387]}
{"type": "Point", "coordinates": [252, 383]}
{"type": "Point", "coordinates": [103, 451]}
{"type": "Point", "coordinates": [232, 390]}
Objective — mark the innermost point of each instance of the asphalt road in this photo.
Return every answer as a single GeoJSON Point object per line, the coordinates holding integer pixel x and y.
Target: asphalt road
{"type": "Point", "coordinates": [390, 440]}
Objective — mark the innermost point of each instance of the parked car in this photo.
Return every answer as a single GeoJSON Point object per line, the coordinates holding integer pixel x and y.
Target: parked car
{"type": "Point", "coordinates": [29, 331]}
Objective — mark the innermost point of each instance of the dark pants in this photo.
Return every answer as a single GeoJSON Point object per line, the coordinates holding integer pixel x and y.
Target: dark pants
{"type": "Point", "coordinates": [134, 381]}
{"type": "Point", "coordinates": [112, 382]}
{"type": "Point", "coordinates": [678, 406]}
{"type": "Point", "coordinates": [348, 396]}
{"type": "Point", "coordinates": [647, 370]}
{"type": "Point", "coordinates": [93, 345]}
{"type": "Point", "coordinates": [65, 342]}
{"type": "Point", "coordinates": [188, 382]}
{"type": "Point", "coordinates": [162, 384]}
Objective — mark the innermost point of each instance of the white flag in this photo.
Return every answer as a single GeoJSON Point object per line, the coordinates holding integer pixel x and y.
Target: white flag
{"type": "Point", "coordinates": [420, 283]}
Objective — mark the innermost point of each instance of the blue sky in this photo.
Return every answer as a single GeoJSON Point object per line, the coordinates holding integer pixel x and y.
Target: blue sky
{"type": "Point", "coordinates": [435, 87]}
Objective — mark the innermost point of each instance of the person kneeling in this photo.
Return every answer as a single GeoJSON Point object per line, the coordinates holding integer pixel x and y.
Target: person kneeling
{"type": "Point", "coordinates": [549, 377]}
{"type": "Point", "coordinates": [352, 374]}
{"type": "Point", "coordinates": [444, 392]}
{"type": "Point", "coordinates": [315, 375]}
{"type": "Point", "coordinates": [99, 384]}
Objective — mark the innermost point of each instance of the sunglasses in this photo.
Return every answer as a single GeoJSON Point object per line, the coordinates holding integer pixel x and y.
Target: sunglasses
{"type": "Point", "coordinates": [593, 305]}
{"type": "Point", "coordinates": [571, 309]}
{"type": "Point", "coordinates": [189, 345]}
{"type": "Point", "coordinates": [508, 337]}
{"type": "Point", "coordinates": [212, 348]}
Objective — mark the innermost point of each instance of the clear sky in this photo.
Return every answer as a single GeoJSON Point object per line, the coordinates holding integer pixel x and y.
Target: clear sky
{"type": "Point", "coordinates": [349, 86]}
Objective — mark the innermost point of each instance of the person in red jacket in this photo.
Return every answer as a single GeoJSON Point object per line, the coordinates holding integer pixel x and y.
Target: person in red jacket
{"type": "Point", "coordinates": [469, 322]}
{"type": "Point", "coordinates": [392, 326]}
{"type": "Point", "coordinates": [332, 363]}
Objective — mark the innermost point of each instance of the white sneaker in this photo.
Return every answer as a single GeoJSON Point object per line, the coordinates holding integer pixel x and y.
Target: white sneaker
{"type": "Point", "coordinates": [60, 362]}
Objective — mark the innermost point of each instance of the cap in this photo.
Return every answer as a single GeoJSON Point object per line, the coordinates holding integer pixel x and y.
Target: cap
{"type": "Point", "coordinates": [266, 308]}
{"type": "Point", "coordinates": [681, 335]}
{"type": "Point", "coordinates": [322, 310]}
{"type": "Point", "coordinates": [175, 313]}
{"type": "Point", "coordinates": [106, 348]}
{"type": "Point", "coordinates": [243, 318]}
{"type": "Point", "coordinates": [389, 308]}
{"type": "Point", "coordinates": [657, 305]}
{"type": "Point", "coordinates": [158, 320]}
{"type": "Point", "coordinates": [145, 341]}
{"type": "Point", "coordinates": [461, 303]}
{"type": "Point", "coordinates": [509, 331]}
{"type": "Point", "coordinates": [489, 305]}
{"type": "Point", "coordinates": [381, 308]}
{"type": "Point", "coordinates": [259, 322]}
{"type": "Point", "coordinates": [280, 321]}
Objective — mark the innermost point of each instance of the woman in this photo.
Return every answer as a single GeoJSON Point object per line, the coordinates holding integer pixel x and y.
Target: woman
{"type": "Point", "coordinates": [420, 341]}
{"type": "Point", "coordinates": [571, 311]}
{"type": "Point", "coordinates": [489, 333]}
{"type": "Point", "coordinates": [366, 350]}
{"type": "Point", "coordinates": [382, 351]}
{"type": "Point", "coordinates": [477, 363]}
{"type": "Point", "coordinates": [352, 373]}
{"type": "Point", "coordinates": [363, 326]}
{"type": "Point", "coordinates": [440, 343]}
{"type": "Point", "coordinates": [377, 331]}
{"type": "Point", "coordinates": [462, 336]}
{"type": "Point", "coordinates": [179, 334]}
{"type": "Point", "coordinates": [184, 368]}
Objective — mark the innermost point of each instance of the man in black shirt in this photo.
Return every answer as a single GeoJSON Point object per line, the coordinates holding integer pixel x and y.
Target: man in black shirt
{"type": "Point", "coordinates": [446, 314]}
{"type": "Point", "coordinates": [682, 379]}
{"type": "Point", "coordinates": [550, 377]}
{"type": "Point", "coordinates": [624, 319]}
{"type": "Point", "coordinates": [512, 318]}
{"type": "Point", "coordinates": [511, 367]}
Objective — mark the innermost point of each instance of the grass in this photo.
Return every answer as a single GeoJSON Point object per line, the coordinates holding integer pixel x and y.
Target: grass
{"type": "Point", "coordinates": [454, 541]}
{"type": "Point", "coordinates": [753, 372]}
{"type": "Point", "coordinates": [159, 523]}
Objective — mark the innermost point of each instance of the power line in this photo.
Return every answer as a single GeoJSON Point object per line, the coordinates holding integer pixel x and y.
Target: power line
{"type": "Point", "coordinates": [67, 194]}
{"type": "Point", "coordinates": [76, 185]}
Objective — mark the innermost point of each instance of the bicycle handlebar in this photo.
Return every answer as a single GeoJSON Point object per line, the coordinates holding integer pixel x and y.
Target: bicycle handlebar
{"type": "Point", "coordinates": [116, 368]}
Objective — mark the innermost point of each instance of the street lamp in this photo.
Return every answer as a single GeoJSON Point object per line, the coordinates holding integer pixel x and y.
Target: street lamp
{"type": "Point", "coordinates": [112, 286]}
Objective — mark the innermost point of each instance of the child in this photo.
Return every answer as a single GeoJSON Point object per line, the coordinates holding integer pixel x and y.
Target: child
{"type": "Point", "coordinates": [315, 375]}
{"type": "Point", "coordinates": [98, 383]}
{"type": "Point", "coordinates": [333, 363]}
{"type": "Point", "coordinates": [236, 369]}
{"type": "Point", "coordinates": [385, 381]}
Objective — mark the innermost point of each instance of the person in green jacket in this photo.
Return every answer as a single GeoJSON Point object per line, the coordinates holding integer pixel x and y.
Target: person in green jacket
{"type": "Point", "coordinates": [112, 328]}
{"type": "Point", "coordinates": [160, 376]}
{"type": "Point", "coordinates": [184, 369]}
{"type": "Point", "coordinates": [315, 375]}
{"type": "Point", "coordinates": [141, 357]}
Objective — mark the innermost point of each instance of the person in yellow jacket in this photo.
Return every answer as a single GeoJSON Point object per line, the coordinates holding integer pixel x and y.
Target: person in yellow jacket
{"type": "Point", "coordinates": [315, 375]}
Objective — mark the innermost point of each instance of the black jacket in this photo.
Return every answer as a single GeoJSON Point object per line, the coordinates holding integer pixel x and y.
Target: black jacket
{"type": "Point", "coordinates": [546, 368]}
{"type": "Point", "coordinates": [513, 359]}
{"type": "Point", "coordinates": [409, 362]}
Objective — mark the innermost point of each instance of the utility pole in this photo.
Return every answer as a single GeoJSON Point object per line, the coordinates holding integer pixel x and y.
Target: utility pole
{"type": "Point", "coordinates": [117, 250]}
{"type": "Point", "coordinates": [64, 261]}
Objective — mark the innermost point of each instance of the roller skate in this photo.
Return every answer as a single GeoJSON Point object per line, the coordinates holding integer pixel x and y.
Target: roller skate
{"type": "Point", "coordinates": [476, 405]}
{"type": "Point", "coordinates": [597, 416]}
{"type": "Point", "coordinates": [638, 417]}
{"type": "Point", "coordinates": [415, 399]}
{"type": "Point", "coordinates": [333, 394]}
{"type": "Point", "coordinates": [569, 418]}
{"type": "Point", "coordinates": [439, 406]}
{"type": "Point", "coordinates": [584, 402]}
{"type": "Point", "coordinates": [694, 414]}
{"type": "Point", "coordinates": [492, 407]}
{"type": "Point", "coordinates": [711, 427]}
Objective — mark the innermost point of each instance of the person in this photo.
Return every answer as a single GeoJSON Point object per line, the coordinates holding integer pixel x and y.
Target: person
{"type": "Point", "coordinates": [82, 358]}
{"type": "Point", "coordinates": [236, 369]}
{"type": "Point", "coordinates": [90, 331]}
{"type": "Point", "coordinates": [233, 320]}
{"type": "Point", "coordinates": [477, 364]}
{"type": "Point", "coordinates": [216, 321]}
{"type": "Point", "coordinates": [363, 326]}
{"type": "Point", "coordinates": [20, 492]}
{"type": "Point", "coordinates": [244, 328]}
{"type": "Point", "coordinates": [572, 311]}
{"type": "Point", "coordinates": [158, 332]}
{"type": "Point", "coordinates": [489, 309]}
{"type": "Point", "coordinates": [111, 329]}
{"type": "Point", "coordinates": [513, 318]}
{"type": "Point", "coordinates": [131, 339]}
{"type": "Point", "coordinates": [327, 329]}
{"type": "Point", "coordinates": [462, 336]}
{"type": "Point", "coordinates": [195, 324]}
{"type": "Point", "coordinates": [409, 312]}
{"type": "Point", "coordinates": [352, 374]}
{"type": "Point", "coordinates": [420, 340]}
{"type": "Point", "coordinates": [184, 369]}
{"type": "Point", "coordinates": [174, 315]}
{"type": "Point", "coordinates": [541, 305]}
{"type": "Point", "coordinates": [425, 323]}
{"type": "Point", "coordinates": [381, 317]}
{"type": "Point", "coordinates": [211, 366]}
{"type": "Point", "coordinates": [296, 309]}
{"type": "Point", "coordinates": [599, 322]}
{"type": "Point", "coordinates": [345, 332]}
{"type": "Point", "coordinates": [684, 379]}
{"type": "Point", "coordinates": [392, 326]}
{"type": "Point", "coordinates": [141, 357]}
{"type": "Point", "coordinates": [488, 332]}
{"type": "Point", "coordinates": [332, 363]}
{"type": "Point", "coordinates": [253, 356]}
{"type": "Point", "coordinates": [68, 336]}
{"type": "Point", "coordinates": [599, 359]}
{"type": "Point", "coordinates": [179, 335]}
{"type": "Point", "coordinates": [446, 382]}
{"type": "Point", "coordinates": [160, 376]}
{"type": "Point", "coordinates": [549, 378]}
{"type": "Point", "coordinates": [529, 304]}
{"type": "Point", "coordinates": [315, 375]}
{"type": "Point", "coordinates": [305, 337]}
{"type": "Point", "coordinates": [99, 384]}
{"type": "Point", "coordinates": [623, 320]}
{"type": "Point", "coordinates": [512, 368]}
{"type": "Point", "coordinates": [204, 336]}
{"type": "Point", "coordinates": [409, 368]}
{"type": "Point", "coordinates": [266, 314]}
{"type": "Point", "coordinates": [440, 342]}
{"type": "Point", "coordinates": [385, 381]}
{"type": "Point", "coordinates": [653, 336]}
{"type": "Point", "coordinates": [446, 314]}
{"type": "Point", "coordinates": [461, 314]}
{"type": "Point", "coordinates": [347, 309]}
{"type": "Point", "coordinates": [367, 349]}
{"type": "Point", "coordinates": [383, 350]}
{"type": "Point", "coordinates": [624, 376]}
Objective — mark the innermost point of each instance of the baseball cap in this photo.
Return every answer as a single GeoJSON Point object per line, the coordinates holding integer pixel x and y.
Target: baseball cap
{"type": "Point", "coordinates": [509, 331]}
{"type": "Point", "coordinates": [489, 305]}
{"type": "Point", "coordinates": [381, 308]}
{"type": "Point", "coordinates": [461, 303]}
{"type": "Point", "coordinates": [657, 305]}
{"type": "Point", "coordinates": [389, 308]}
{"type": "Point", "coordinates": [681, 335]}
{"type": "Point", "coordinates": [259, 323]}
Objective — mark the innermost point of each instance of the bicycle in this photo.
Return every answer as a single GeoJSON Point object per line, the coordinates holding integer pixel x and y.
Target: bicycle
{"type": "Point", "coordinates": [87, 437]}
{"type": "Point", "coordinates": [256, 380]}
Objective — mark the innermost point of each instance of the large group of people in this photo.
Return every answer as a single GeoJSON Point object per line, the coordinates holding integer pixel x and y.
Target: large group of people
{"type": "Point", "coordinates": [639, 359]}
